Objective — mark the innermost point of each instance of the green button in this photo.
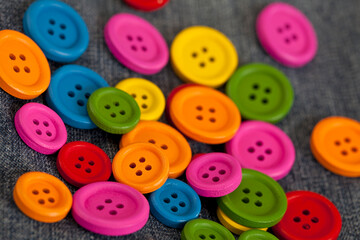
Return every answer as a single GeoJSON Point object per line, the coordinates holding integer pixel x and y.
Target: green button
{"type": "Point", "coordinates": [261, 92]}
{"type": "Point", "coordinates": [199, 229]}
{"type": "Point", "coordinates": [113, 110]}
{"type": "Point", "coordinates": [257, 235]}
{"type": "Point", "coordinates": [258, 202]}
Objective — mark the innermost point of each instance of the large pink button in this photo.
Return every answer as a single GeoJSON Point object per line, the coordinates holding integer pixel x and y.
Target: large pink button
{"type": "Point", "coordinates": [263, 147]}
{"type": "Point", "coordinates": [136, 43]}
{"type": "Point", "coordinates": [286, 34]}
{"type": "Point", "coordinates": [40, 128]}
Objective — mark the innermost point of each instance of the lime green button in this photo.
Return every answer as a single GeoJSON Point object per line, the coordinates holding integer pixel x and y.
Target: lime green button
{"type": "Point", "coordinates": [113, 110]}
{"type": "Point", "coordinates": [199, 229]}
{"type": "Point", "coordinates": [261, 92]}
{"type": "Point", "coordinates": [257, 235]}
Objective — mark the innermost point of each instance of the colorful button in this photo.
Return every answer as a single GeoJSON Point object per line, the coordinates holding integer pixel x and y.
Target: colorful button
{"type": "Point", "coordinates": [68, 93]}
{"type": "Point", "coordinates": [136, 43]}
{"type": "Point", "coordinates": [148, 96]}
{"type": "Point", "coordinates": [110, 208]}
{"type": "Point", "coordinates": [42, 197]}
{"type": "Point", "coordinates": [58, 29]}
{"type": "Point", "coordinates": [204, 114]}
{"type": "Point", "coordinates": [205, 229]}
{"type": "Point", "coordinates": [24, 72]}
{"type": "Point", "coordinates": [261, 92]}
{"type": "Point", "coordinates": [258, 202]}
{"type": "Point", "coordinates": [263, 147]}
{"type": "Point", "coordinates": [257, 235]}
{"type": "Point", "coordinates": [147, 5]}
{"type": "Point", "coordinates": [40, 128]}
{"type": "Point", "coordinates": [309, 216]}
{"type": "Point", "coordinates": [81, 163]}
{"type": "Point", "coordinates": [142, 166]}
{"type": "Point", "coordinates": [203, 55]}
{"type": "Point", "coordinates": [286, 34]}
{"type": "Point", "coordinates": [175, 203]}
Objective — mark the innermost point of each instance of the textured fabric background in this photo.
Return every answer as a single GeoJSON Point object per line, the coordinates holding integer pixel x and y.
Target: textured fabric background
{"type": "Point", "coordinates": [329, 85]}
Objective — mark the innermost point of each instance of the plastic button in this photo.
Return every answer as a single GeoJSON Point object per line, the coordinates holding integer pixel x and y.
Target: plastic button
{"type": "Point", "coordinates": [110, 208]}
{"type": "Point", "coordinates": [199, 229]}
{"type": "Point", "coordinates": [203, 55]}
{"type": "Point", "coordinates": [24, 72]}
{"type": "Point", "coordinates": [58, 29]}
{"type": "Point", "coordinates": [263, 147]}
{"type": "Point", "coordinates": [147, 5]}
{"type": "Point", "coordinates": [42, 197]}
{"type": "Point", "coordinates": [309, 216]}
{"type": "Point", "coordinates": [40, 128]}
{"type": "Point", "coordinates": [175, 203]}
{"type": "Point", "coordinates": [286, 34]}
{"type": "Point", "coordinates": [257, 235]}
{"type": "Point", "coordinates": [136, 43]}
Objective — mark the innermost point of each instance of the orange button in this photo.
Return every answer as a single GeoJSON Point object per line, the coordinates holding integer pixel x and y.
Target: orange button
{"type": "Point", "coordinates": [42, 197]}
{"type": "Point", "coordinates": [24, 71]}
{"type": "Point", "coordinates": [142, 166]}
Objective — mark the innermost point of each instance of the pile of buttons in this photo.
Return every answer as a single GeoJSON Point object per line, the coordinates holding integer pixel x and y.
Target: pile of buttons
{"type": "Point", "coordinates": [153, 154]}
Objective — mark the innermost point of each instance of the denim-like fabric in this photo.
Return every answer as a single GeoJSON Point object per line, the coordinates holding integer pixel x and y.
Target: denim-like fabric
{"type": "Point", "coordinates": [329, 85]}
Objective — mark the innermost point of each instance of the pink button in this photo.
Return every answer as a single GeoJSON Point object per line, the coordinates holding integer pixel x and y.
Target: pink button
{"type": "Point", "coordinates": [110, 208]}
{"type": "Point", "coordinates": [136, 43]}
{"type": "Point", "coordinates": [263, 147]}
{"type": "Point", "coordinates": [214, 174]}
{"type": "Point", "coordinates": [40, 128]}
{"type": "Point", "coordinates": [286, 34]}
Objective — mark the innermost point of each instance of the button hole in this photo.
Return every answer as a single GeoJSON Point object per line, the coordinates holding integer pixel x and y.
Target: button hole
{"type": "Point", "coordinates": [133, 95]}
{"type": "Point", "coordinates": [204, 49]}
{"type": "Point", "coordinates": [344, 152]}
{"type": "Point", "coordinates": [252, 97]}
{"type": "Point", "coordinates": [132, 165]}
{"type": "Point", "coordinates": [80, 103]}
{"type": "Point", "coordinates": [87, 95]}
{"type": "Point", "coordinates": [62, 26]}
{"type": "Point", "coordinates": [78, 87]}
{"type": "Point", "coordinates": [166, 200]}
{"type": "Point", "coordinates": [174, 209]}
{"type": "Point", "coordinates": [259, 194]}
{"type": "Point", "coordinates": [182, 204]}
{"type": "Point", "coordinates": [36, 122]}
{"type": "Point", "coordinates": [52, 21]}
{"type": "Point", "coordinates": [297, 219]}
{"type": "Point", "coordinates": [113, 115]}
{"type": "Point", "coordinates": [16, 69]}
{"type": "Point", "coordinates": [222, 172]}
{"type": "Point", "coordinates": [212, 236]}
{"type": "Point", "coordinates": [347, 140]}
{"type": "Point", "coordinates": [306, 212]}
{"type": "Point", "coordinates": [354, 149]}
{"type": "Point", "coordinates": [294, 37]}
{"type": "Point", "coordinates": [122, 112]}
{"type": "Point", "coordinates": [144, 48]}
{"type": "Point", "coordinates": [120, 205]}
{"type": "Point", "coordinates": [259, 143]}
{"type": "Point", "coordinates": [139, 173]}
{"type": "Point", "coordinates": [205, 175]}
{"type": "Point", "coordinates": [212, 110]}
{"type": "Point", "coordinates": [144, 97]}
{"type": "Point", "coordinates": [337, 143]}
{"type": "Point", "coordinates": [38, 132]}
{"type": "Point", "coordinates": [35, 192]}
{"type": "Point", "coordinates": [134, 48]}
{"type": "Point", "coordinates": [46, 124]}
{"type": "Point", "coordinates": [199, 108]}
{"type": "Point", "coordinates": [287, 40]}
{"type": "Point", "coordinates": [142, 159]}
{"type": "Point", "coordinates": [267, 90]}
{"type": "Point", "coordinates": [212, 168]}
{"type": "Point", "coordinates": [62, 36]}
{"type": "Point", "coordinates": [144, 106]}
{"type": "Point", "coordinates": [71, 94]}
{"type": "Point", "coordinates": [279, 30]}
{"type": "Point", "coordinates": [52, 200]}
{"type": "Point", "coordinates": [100, 207]}
{"type": "Point", "coordinates": [139, 38]}
{"type": "Point", "coordinates": [45, 190]}
{"type": "Point", "coordinates": [245, 200]}
{"type": "Point", "coordinates": [255, 86]}
{"type": "Point", "coordinates": [174, 195]}
{"type": "Point", "coordinates": [116, 104]}
{"type": "Point", "coordinates": [12, 56]}
{"type": "Point", "coordinates": [216, 179]}
{"type": "Point", "coordinates": [202, 64]}
{"type": "Point", "coordinates": [199, 117]}
{"type": "Point", "coordinates": [202, 236]}
{"type": "Point", "coordinates": [88, 170]}
{"type": "Point", "coordinates": [78, 165]}
{"type": "Point", "coordinates": [22, 57]}
{"type": "Point", "coordinates": [148, 168]}
{"type": "Point", "coordinates": [264, 101]}
{"type": "Point", "coordinates": [51, 32]}
{"type": "Point", "coordinates": [306, 226]}
{"type": "Point", "coordinates": [258, 203]}
{"type": "Point", "coordinates": [164, 147]}
{"type": "Point", "coordinates": [251, 150]}
{"type": "Point", "coordinates": [41, 201]}
{"type": "Point", "coordinates": [81, 158]}
{"type": "Point", "coordinates": [130, 38]}
{"type": "Point", "coordinates": [212, 59]}
{"type": "Point", "coordinates": [108, 201]}
{"type": "Point", "coordinates": [194, 55]}
{"type": "Point", "coordinates": [246, 190]}
{"type": "Point", "coordinates": [315, 220]}
{"type": "Point", "coordinates": [212, 120]}
{"type": "Point", "coordinates": [287, 26]}
{"type": "Point", "coordinates": [48, 133]}
{"type": "Point", "coordinates": [113, 212]}
{"type": "Point", "coordinates": [91, 163]}
{"type": "Point", "coordinates": [261, 158]}
{"type": "Point", "coordinates": [152, 141]}
{"type": "Point", "coordinates": [268, 151]}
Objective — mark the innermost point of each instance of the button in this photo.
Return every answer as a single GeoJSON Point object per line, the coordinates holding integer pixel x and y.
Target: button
{"type": "Point", "coordinates": [142, 166]}
{"type": "Point", "coordinates": [136, 43]}
{"type": "Point", "coordinates": [203, 55]}
{"type": "Point", "coordinates": [309, 215]}
{"type": "Point", "coordinates": [204, 114]}
{"type": "Point", "coordinates": [205, 229]}
{"type": "Point", "coordinates": [40, 128]}
{"type": "Point", "coordinates": [110, 208]}
{"type": "Point", "coordinates": [175, 203]}
{"type": "Point", "coordinates": [58, 29]}
{"type": "Point", "coordinates": [68, 93]}
{"type": "Point", "coordinates": [42, 197]}
{"type": "Point", "coordinates": [147, 5]}
{"type": "Point", "coordinates": [81, 163]}
{"type": "Point", "coordinates": [113, 110]}
{"type": "Point", "coordinates": [148, 96]}
{"type": "Point", "coordinates": [263, 147]}
{"type": "Point", "coordinates": [24, 72]}
{"type": "Point", "coordinates": [214, 174]}
{"type": "Point", "coordinates": [286, 34]}
{"type": "Point", "coordinates": [175, 147]}
{"type": "Point", "coordinates": [261, 92]}
{"type": "Point", "coordinates": [257, 235]}
{"type": "Point", "coordinates": [259, 201]}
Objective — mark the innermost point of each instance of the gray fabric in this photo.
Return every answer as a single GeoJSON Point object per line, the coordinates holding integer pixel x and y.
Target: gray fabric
{"type": "Point", "coordinates": [327, 86]}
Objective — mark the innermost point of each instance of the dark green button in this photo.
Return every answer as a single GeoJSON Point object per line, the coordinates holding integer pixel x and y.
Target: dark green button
{"type": "Point", "coordinates": [199, 229]}
{"type": "Point", "coordinates": [261, 92]}
{"type": "Point", "coordinates": [113, 110]}
{"type": "Point", "coordinates": [258, 202]}
{"type": "Point", "coordinates": [257, 235]}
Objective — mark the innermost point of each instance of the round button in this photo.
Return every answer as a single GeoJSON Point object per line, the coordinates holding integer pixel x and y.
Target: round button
{"type": "Point", "coordinates": [257, 235]}
{"type": "Point", "coordinates": [261, 92]}
{"type": "Point", "coordinates": [136, 43]}
{"type": "Point", "coordinates": [175, 203]}
{"type": "Point", "coordinates": [148, 96]}
{"type": "Point", "coordinates": [286, 34]}
{"type": "Point", "coordinates": [205, 229]}
{"type": "Point", "coordinates": [40, 128]}
{"type": "Point", "coordinates": [258, 202]}
{"type": "Point", "coordinates": [203, 55]}
{"type": "Point", "coordinates": [57, 28]}
{"type": "Point", "coordinates": [309, 216]}
{"type": "Point", "coordinates": [24, 72]}
{"type": "Point", "coordinates": [42, 197]}
{"type": "Point", "coordinates": [110, 208]}
{"type": "Point", "coordinates": [204, 114]}
{"type": "Point", "coordinates": [68, 93]}
{"type": "Point", "coordinates": [81, 163]}
{"type": "Point", "coordinates": [214, 174]}
{"type": "Point", "coordinates": [113, 110]}
{"type": "Point", "coordinates": [335, 144]}
{"type": "Point", "coordinates": [263, 147]}
{"type": "Point", "coordinates": [175, 147]}
{"type": "Point", "coordinates": [147, 5]}
{"type": "Point", "coordinates": [142, 166]}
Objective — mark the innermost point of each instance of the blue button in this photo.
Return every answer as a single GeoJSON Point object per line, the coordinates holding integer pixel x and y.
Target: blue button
{"type": "Point", "coordinates": [58, 30]}
{"type": "Point", "coordinates": [68, 93]}
{"type": "Point", "coordinates": [175, 203]}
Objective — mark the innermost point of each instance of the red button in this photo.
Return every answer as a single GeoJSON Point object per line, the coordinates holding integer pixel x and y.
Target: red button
{"type": "Point", "coordinates": [147, 5]}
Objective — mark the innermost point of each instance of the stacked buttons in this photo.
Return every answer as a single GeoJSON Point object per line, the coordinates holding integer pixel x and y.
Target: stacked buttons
{"type": "Point", "coordinates": [205, 229]}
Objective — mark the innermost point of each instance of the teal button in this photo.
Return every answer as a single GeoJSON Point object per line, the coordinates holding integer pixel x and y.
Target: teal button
{"type": "Point", "coordinates": [256, 234]}
{"type": "Point", "coordinates": [199, 229]}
